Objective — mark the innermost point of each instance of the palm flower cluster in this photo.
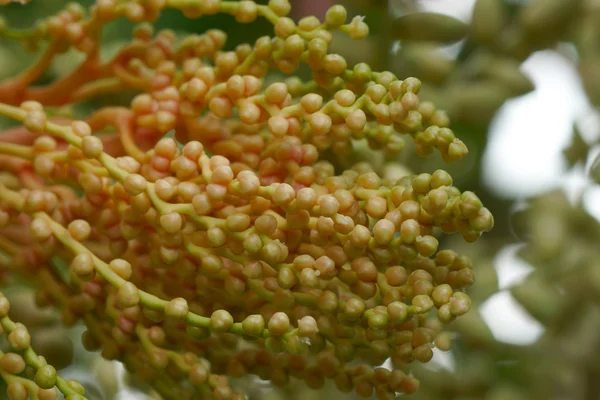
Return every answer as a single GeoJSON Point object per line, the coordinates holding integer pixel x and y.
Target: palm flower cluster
{"type": "Point", "coordinates": [235, 247]}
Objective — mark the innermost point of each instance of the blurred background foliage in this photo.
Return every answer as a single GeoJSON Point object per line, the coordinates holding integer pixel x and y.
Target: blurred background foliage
{"type": "Point", "coordinates": [534, 332]}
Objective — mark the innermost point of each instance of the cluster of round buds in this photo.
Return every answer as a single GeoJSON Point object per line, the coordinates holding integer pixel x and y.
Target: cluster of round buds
{"type": "Point", "coordinates": [349, 262]}
{"type": "Point", "coordinates": [69, 25]}
{"type": "Point", "coordinates": [363, 104]}
{"type": "Point", "coordinates": [106, 10]}
{"type": "Point", "coordinates": [238, 250]}
{"type": "Point", "coordinates": [354, 104]}
{"type": "Point", "coordinates": [26, 374]}
{"type": "Point", "coordinates": [562, 290]}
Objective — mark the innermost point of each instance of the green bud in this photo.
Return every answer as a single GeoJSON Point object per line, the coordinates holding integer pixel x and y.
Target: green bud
{"type": "Point", "coordinates": [429, 27]}
{"type": "Point", "coordinates": [286, 278]}
{"type": "Point", "coordinates": [441, 294]}
{"type": "Point", "coordinates": [197, 333]}
{"type": "Point", "coordinates": [544, 17]}
{"type": "Point", "coordinates": [423, 353]}
{"type": "Point", "coordinates": [128, 295]}
{"type": "Point", "coordinates": [17, 391]}
{"type": "Point", "coordinates": [76, 386]}
{"type": "Point", "coordinates": [294, 345]}
{"type": "Point", "coordinates": [12, 363]}
{"type": "Point", "coordinates": [253, 325]}
{"type": "Point", "coordinates": [54, 346]}
{"type": "Point", "coordinates": [327, 302]}
{"type": "Point", "coordinates": [336, 15]}
{"type": "Point", "coordinates": [344, 350]}
{"type": "Point", "coordinates": [421, 304]}
{"type": "Point", "coordinates": [483, 221]}
{"type": "Point", "coordinates": [378, 320]}
{"type": "Point", "coordinates": [307, 326]}
{"type": "Point", "coordinates": [177, 308]}
{"type": "Point", "coordinates": [293, 46]}
{"type": "Point", "coordinates": [507, 72]}
{"type": "Point", "coordinates": [4, 306]}
{"type": "Point", "coordinates": [488, 19]}
{"type": "Point", "coordinates": [153, 315]}
{"type": "Point", "coordinates": [477, 104]}
{"type": "Point", "coordinates": [460, 303]}
{"type": "Point", "coordinates": [75, 397]}
{"type": "Point", "coordinates": [423, 60]}
{"type": "Point", "coordinates": [158, 358]}
{"type": "Point", "coordinates": [354, 308]}
{"type": "Point", "coordinates": [221, 321]}
{"type": "Point", "coordinates": [470, 204]}
{"type": "Point", "coordinates": [274, 344]}
{"type": "Point", "coordinates": [45, 377]}
{"type": "Point", "coordinates": [317, 48]}
{"type": "Point", "coordinates": [473, 328]}
{"type": "Point", "coordinates": [198, 374]}
{"type": "Point", "coordinates": [19, 339]}
{"type": "Point", "coordinates": [361, 72]}
{"type": "Point", "coordinates": [549, 232]}
{"type": "Point", "coordinates": [444, 314]}
{"type": "Point", "coordinates": [279, 323]}
{"type": "Point", "coordinates": [487, 282]}
{"type": "Point", "coordinates": [412, 123]}
{"type": "Point", "coordinates": [428, 137]}
{"type": "Point", "coordinates": [539, 298]}
{"type": "Point", "coordinates": [443, 341]}
{"type": "Point", "coordinates": [421, 183]}
{"type": "Point", "coordinates": [426, 245]}
{"type": "Point", "coordinates": [411, 85]}
{"type": "Point", "coordinates": [89, 341]}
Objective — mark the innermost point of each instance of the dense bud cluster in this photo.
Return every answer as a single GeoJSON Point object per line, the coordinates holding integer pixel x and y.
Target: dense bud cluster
{"type": "Point", "coordinates": [43, 383]}
{"type": "Point", "coordinates": [235, 247]}
{"type": "Point", "coordinates": [557, 232]}
{"type": "Point", "coordinates": [561, 293]}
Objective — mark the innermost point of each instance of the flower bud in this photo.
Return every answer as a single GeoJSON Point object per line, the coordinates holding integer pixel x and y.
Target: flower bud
{"type": "Point", "coordinates": [19, 339]}
{"type": "Point", "coordinates": [336, 15]}
{"type": "Point", "coordinates": [128, 295]}
{"type": "Point", "coordinates": [279, 323]}
{"type": "Point", "coordinates": [45, 377]}
{"type": "Point", "coordinates": [253, 325]}
{"type": "Point", "coordinates": [221, 321]}
{"type": "Point", "coordinates": [12, 363]}
{"type": "Point", "coordinates": [460, 303]}
{"type": "Point", "coordinates": [177, 308]}
{"type": "Point", "coordinates": [91, 146]}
